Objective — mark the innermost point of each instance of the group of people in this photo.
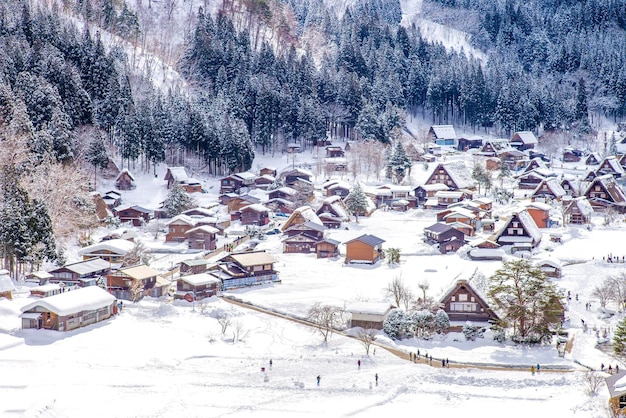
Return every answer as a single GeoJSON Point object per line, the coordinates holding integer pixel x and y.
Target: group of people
{"type": "Point", "coordinates": [610, 258]}
{"type": "Point", "coordinates": [610, 369]}
{"type": "Point", "coordinates": [537, 369]}
{"type": "Point", "coordinates": [414, 357]}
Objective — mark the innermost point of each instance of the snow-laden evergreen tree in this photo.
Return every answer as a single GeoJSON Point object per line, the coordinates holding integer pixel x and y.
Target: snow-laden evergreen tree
{"type": "Point", "coordinates": [424, 321]}
{"type": "Point", "coordinates": [62, 138]}
{"type": "Point", "coordinates": [619, 338]}
{"type": "Point", "coordinates": [356, 201]}
{"type": "Point", "coordinates": [177, 201]}
{"type": "Point", "coordinates": [394, 325]}
{"type": "Point", "coordinates": [441, 322]}
{"type": "Point", "coordinates": [470, 331]}
{"type": "Point", "coordinates": [400, 162]}
{"type": "Point", "coordinates": [529, 302]}
{"type": "Point", "coordinates": [96, 155]}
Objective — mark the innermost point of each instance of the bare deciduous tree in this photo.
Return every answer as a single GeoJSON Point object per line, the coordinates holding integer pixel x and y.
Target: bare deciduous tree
{"type": "Point", "coordinates": [239, 332]}
{"type": "Point", "coordinates": [136, 290]}
{"type": "Point", "coordinates": [593, 380]}
{"type": "Point", "coordinates": [603, 292]}
{"type": "Point", "coordinates": [326, 318]}
{"type": "Point", "coordinates": [224, 319]}
{"type": "Point", "coordinates": [618, 283]}
{"type": "Point", "coordinates": [367, 336]}
{"type": "Point", "coordinates": [398, 290]}
{"type": "Point", "coordinates": [424, 286]}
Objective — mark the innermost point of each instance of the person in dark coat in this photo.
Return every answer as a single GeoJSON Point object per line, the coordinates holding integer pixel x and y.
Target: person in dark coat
{"type": "Point", "coordinates": [318, 379]}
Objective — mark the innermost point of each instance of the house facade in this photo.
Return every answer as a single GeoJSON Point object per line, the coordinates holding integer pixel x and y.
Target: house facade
{"type": "Point", "coordinates": [369, 315]}
{"type": "Point", "coordinates": [197, 286]}
{"type": "Point", "coordinates": [364, 249]}
{"type": "Point", "coordinates": [463, 303]}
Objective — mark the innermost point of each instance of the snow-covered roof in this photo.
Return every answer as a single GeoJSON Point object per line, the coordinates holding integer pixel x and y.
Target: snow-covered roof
{"type": "Point", "coordinates": [88, 266]}
{"type": "Point", "coordinates": [82, 299]}
{"type": "Point", "coordinates": [204, 228]}
{"type": "Point", "coordinates": [434, 187]}
{"type": "Point", "coordinates": [6, 284]}
{"type": "Point", "coordinates": [538, 205]}
{"type": "Point", "coordinates": [446, 194]}
{"type": "Point", "coordinates": [178, 173]}
{"type": "Point", "coordinates": [46, 287]}
{"type": "Point", "coordinates": [199, 279]}
{"type": "Point", "coordinates": [246, 175]}
{"type": "Point", "coordinates": [459, 173]}
{"type": "Point", "coordinates": [372, 308]}
{"type": "Point", "coordinates": [255, 207]}
{"type": "Point", "coordinates": [460, 212]}
{"type": "Point", "coordinates": [368, 239]}
{"type": "Point", "coordinates": [123, 172]}
{"type": "Point", "coordinates": [584, 207]}
{"type": "Point", "coordinates": [185, 219]}
{"type": "Point", "coordinates": [115, 246]}
{"type": "Point", "coordinates": [444, 131]}
{"type": "Point", "coordinates": [140, 272]}
{"type": "Point", "coordinates": [253, 259]}
{"type": "Point", "coordinates": [526, 137]}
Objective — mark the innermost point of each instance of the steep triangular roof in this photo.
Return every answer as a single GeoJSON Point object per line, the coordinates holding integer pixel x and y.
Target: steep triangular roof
{"type": "Point", "coordinates": [367, 239]}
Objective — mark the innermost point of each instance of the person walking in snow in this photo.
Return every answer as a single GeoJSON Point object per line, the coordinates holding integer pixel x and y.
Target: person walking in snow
{"type": "Point", "coordinates": [359, 364]}
{"type": "Point", "coordinates": [418, 354]}
{"type": "Point", "coordinates": [538, 368]}
{"type": "Point", "coordinates": [602, 367]}
{"type": "Point", "coordinates": [616, 368]}
{"type": "Point", "coordinates": [376, 378]}
{"type": "Point", "coordinates": [318, 379]}
{"type": "Point", "coordinates": [532, 370]}
{"type": "Point", "coordinates": [610, 369]}
{"type": "Point", "coordinates": [270, 363]}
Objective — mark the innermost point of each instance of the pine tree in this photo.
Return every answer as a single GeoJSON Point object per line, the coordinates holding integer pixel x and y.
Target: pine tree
{"type": "Point", "coordinates": [394, 325]}
{"type": "Point", "coordinates": [400, 162]}
{"type": "Point", "coordinates": [441, 322]}
{"type": "Point", "coordinates": [619, 338]}
{"type": "Point", "coordinates": [96, 155]}
{"type": "Point", "coordinates": [581, 111]}
{"type": "Point", "coordinates": [177, 201]}
{"type": "Point", "coordinates": [356, 201]}
{"type": "Point", "coordinates": [529, 302]}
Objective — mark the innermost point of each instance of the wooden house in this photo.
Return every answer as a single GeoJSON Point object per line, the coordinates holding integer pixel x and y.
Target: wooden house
{"type": "Point", "coordinates": [335, 152]}
{"type": "Point", "coordinates": [514, 159]}
{"type": "Point", "coordinates": [312, 229]}
{"type": "Point", "coordinates": [592, 159]}
{"type": "Point", "coordinates": [330, 221]}
{"type": "Point", "coordinates": [112, 251]}
{"type": "Point", "coordinates": [80, 274]}
{"type": "Point", "coordinates": [133, 283]}
{"type": "Point", "coordinates": [537, 164]}
{"type": "Point", "coordinates": [461, 216]}
{"type": "Point", "coordinates": [540, 212]}
{"type": "Point", "coordinates": [470, 142]}
{"type": "Point", "coordinates": [444, 198]}
{"type": "Point", "coordinates": [364, 249]}
{"type": "Point", "coordinates": [177, 228]}
{"type": "Point", "coordinates": [427, 191]}
{"type": "Point", "coordinates": [573, 187]}
{"type": "Point", "coordinates": [176, 176]}
{"type": "Point", "coordinates": [485, 204]}
{"type": "Point", "coordinates": [269, 171]}
{"type": "Point", "coordinates": [112, 198]}
{"type": "Point", "coordinates": [327, 248]}
{"type": "Point", "coordinates": [246, 269]}
{"type": "Point", "coordinates": [523, 140]}
{"type": "Point", "coordinates": [604, 192]}
{"type": "Point", "coordinates": [462, 302]}
{"type": "Point", "coordinates": [202, 237]}
{"type": "Point", "coordinates": [136, 215]}
{"type": "Point", "coordinates": [442, 134]}
{"type": "Point", "coordinates": [571, 156]}
{"type": "Point", "coordinates": [45, 290]}
{"type": "Point", "coordinates": [237, 183]}
{"type": "Point", "coordinates": [255, 214]}
{"type": "Point", "coordinates": [455, 175]}
{"type": "Point", "coordinates": [197, 286]}
{"type": "Point", "coordinates": [368, 315]}
{"type": "Point", "coordinates": [300, 243]}
{"type": "Point", "coordinates": [285, 192]}
{"type": "Point", "coordinates": [616, 383]}
{"type": "Point", "coordinates": [193, 266]}
{"type": "Point", "coordinates": [125, 180]}
{"type": "Point", "coordinates": [447, 238]}
{"type": "Point", "coordinates": [69, 310]}
{"type": "Point", "coordinates": [301, 215]}
{"type": "Point", "coordinates": [519, 228]}
{"type": "Point", "coordinates": [493, 147]}
{"type": "Point", "coordinates": [548, 190]}
{"type": "Point", "coordinates": [529, 180]}
{"type": "Point", "coordinates": [334, 206]}
{"type": "Point", "coordinates": [292, 148]}
{"type": "Point", "coordinates": [610, 165]}
{"type": "Point", "coordinates": [341, 189]}
{"type": "Point", "coordinates": [387, 194]}
{"type": "Point", "coordinates": [264, 181]}
{"type": "Point", "coordinates": [6, 285]}
{"type": "Point", "coordinates": [578, 211]}
{"type": "Point", "coordinates": [290, 177]}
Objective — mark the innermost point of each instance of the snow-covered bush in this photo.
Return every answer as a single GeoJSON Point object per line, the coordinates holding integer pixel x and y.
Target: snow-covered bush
{"type": "Point", "coordinates": [395, 324]}
{"type": "Point", "coordinates": [472, 331]}
{"type": "Point", "coordinates": [499, 333]}
{"type": "Point", "coordinates": [441, 322]}
{"type": "Point", "coordinates": [424, 323]}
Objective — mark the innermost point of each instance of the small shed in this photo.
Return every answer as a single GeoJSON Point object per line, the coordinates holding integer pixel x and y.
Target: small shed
{"type": "Point", "coordinates": [550, 268]}
{"type": "Point", "coordinates": [125, 180]}
{"type": "Point", "coordinates": [200, 286]}
{"type": "Point", "coordinates": [364, 249]}
{"type": "Point", "coordinates": [369, 315]}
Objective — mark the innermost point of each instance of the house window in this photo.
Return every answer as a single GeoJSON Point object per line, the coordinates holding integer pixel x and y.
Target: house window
{"type": "Point", "coordinates": [463, 307]}
{"type": "Point", "coordinates": [622, 401]}
{"type": "Point", "coordinates": [462, 297]}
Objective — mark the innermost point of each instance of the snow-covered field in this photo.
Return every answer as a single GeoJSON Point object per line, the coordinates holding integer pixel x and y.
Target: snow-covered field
{"type": "Point", "coordinates": [170, 359]}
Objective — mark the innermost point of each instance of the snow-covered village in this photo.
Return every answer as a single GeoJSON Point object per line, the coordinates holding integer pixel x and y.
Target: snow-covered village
{"type": "Point", "coordinates": [292, 208]}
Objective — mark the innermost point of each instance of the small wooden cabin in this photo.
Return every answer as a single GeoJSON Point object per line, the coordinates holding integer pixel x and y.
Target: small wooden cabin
{"type": "Point", "coordinates": [364, 249]}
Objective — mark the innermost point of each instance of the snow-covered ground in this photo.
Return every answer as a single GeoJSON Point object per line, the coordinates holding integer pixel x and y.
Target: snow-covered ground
{"type": "Point", "coordinates": [170, 359]}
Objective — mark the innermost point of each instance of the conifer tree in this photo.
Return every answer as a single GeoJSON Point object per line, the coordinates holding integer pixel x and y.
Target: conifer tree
{"type": "Point", "coordinates": [356, 201]}
{"type": "Point", "coordinates": [177, 201]}
{"type": "Point", "coordinates": [619, 338]}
